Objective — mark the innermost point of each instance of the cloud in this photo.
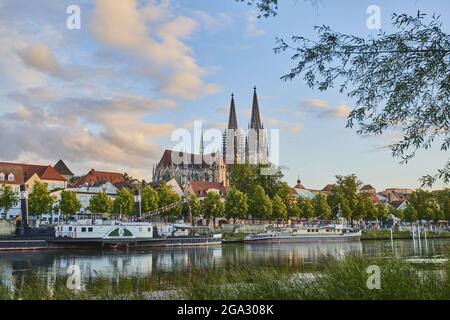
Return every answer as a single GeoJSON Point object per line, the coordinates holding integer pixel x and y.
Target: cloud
{"type": "Point", "coordinates": [316, 103]}
{"type": "Point", "coordinates": [342, 111]}
{"type": "Point", "coordinates": [323, 109]}
{"type": "Point", "coordinates": [86, 130]}
{"type": "Point", "coordinates": [39, 57]}
{"type": "Point", "coordinates": [296, 128]}
{"type": "Point", "coordinates": [210, 23]}
{"type": "Point", "coordinates": [154, 35]}
{"type": "Point", "coordinates": [253, 30]}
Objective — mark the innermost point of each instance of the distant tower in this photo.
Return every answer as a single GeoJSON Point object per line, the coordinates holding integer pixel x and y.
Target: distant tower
{"type": "Point", "coordinates": [256, 144]}
{"type": "Point", "coordinates": [232, 138]}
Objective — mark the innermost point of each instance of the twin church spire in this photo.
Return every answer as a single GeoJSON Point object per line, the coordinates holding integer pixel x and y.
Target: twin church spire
{"type": "Point", "coordinates": [255, 121]}
{"type": "Point", "coordinates": [254, 149]}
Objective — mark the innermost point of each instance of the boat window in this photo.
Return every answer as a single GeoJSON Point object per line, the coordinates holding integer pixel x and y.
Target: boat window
{"type": "Point", "coordinates": [90, 229]}
{"type": "Point", "coordinates": [149, 229]}
{"type": "Point", "coordinates": [83, 229]}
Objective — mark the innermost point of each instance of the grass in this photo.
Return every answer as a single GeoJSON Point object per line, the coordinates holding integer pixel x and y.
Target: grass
{"type": "Point", "coordinates": [386, 234]}
{"type": "Point", "coordinates": [327, 279]}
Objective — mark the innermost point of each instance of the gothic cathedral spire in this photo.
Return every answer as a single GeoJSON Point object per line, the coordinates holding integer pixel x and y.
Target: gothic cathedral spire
{"type": "Point", "coordinates": [255, 122]}
{"type": "Point", "coordinates": [232, 121]}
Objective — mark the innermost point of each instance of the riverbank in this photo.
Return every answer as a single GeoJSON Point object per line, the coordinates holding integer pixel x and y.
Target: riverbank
{"type": "Point", "coordinates": [328, 279]}
{"type": "Point", "coordinates": [398, 235]}
{"type": "Point", "coordinates": [366, 235]}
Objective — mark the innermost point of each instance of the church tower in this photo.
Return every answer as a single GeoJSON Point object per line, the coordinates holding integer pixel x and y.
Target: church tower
{"type": "Point", "coordinates": [232, 146]}
{"type": "Point", "coordinates": [256, 143]}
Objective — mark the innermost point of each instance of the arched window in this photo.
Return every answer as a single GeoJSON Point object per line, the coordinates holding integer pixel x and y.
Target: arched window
{"type": "Point", "coordinates": [10, 177]}
{"type": "Point", "coordinates": [2, 176]}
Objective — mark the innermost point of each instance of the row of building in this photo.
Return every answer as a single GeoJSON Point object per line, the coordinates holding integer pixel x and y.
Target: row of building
{"type": "Point", "coordinates": [183, 171]}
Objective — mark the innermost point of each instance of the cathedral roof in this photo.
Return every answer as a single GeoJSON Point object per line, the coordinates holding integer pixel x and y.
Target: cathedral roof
{"type": "Point", "coordinates": [169, 156]}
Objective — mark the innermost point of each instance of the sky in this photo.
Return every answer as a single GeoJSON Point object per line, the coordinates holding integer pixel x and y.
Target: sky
{"type": "Point", "coordinates": [110, 94]}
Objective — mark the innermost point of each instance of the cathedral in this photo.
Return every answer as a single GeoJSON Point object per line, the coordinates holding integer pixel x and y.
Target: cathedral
{"type": "Point", "coordinates": [238, 146]}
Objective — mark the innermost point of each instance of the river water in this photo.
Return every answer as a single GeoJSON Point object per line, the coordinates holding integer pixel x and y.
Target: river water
{"type": "Point", "coordinates": [150, 261]}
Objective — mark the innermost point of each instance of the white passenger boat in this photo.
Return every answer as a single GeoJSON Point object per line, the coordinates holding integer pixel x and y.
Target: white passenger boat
{"type": "Point", "coordinates": [334, 232]}
{"type": "Point", "coordinates": [112, 233]}
{"type": "Point", "coordinates": [104, 229]}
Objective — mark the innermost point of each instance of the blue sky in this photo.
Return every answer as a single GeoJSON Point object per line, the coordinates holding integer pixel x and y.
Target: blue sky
{"type": "Point", "coordinates": [108, 96]}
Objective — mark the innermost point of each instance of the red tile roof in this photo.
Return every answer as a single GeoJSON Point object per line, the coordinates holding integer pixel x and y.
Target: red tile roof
{"type": "Point", "coordinates": [200, 188]}
{"type": "Point", "coordinates": [62, 168]}
{"type": "Point", "coordinates": [95, 177]}
{"type": "Point", "coordinates": [16, 170]}
{"type": "Point", "coordinates": [43, 172]}
{"type": "Point", "coordinates": [328, 187]}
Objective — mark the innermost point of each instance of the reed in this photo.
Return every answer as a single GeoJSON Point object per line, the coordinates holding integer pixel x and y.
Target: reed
{"type": "Point", "coordinates": [330, 278]}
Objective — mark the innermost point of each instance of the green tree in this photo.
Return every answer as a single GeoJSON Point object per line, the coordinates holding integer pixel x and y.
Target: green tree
{"type": "Point", "coordinates": [272, 182]}
{"type": "Point", "coordinates": [213, 206]}
{"type": "Point", "coordinates": [382, 212]}
{"type": "Point", "coordinates": [290, 200]}
{"type": "Point", "coordinates": [243, 177]}
{"type": "Point", "coordinates": [124, 202]}
{"type": "Point", "coordinates": [150, 199]}
{"type": "Point", "coordinates": [40, 201]}
{"type": "Point", "coordinates": [396, 212]}
{"type": "Point", "coordinates": [443, 199]}
{"type": "Point", "coordinates": [425, 205]}
{"type": "Point", "coordinates": [410, 214]}
{"type": "Point", "coordinates": [306, 208]}
{"type": "Point", "coordinates": [8, 199]}
{"type": "Point", "coordinates": [193, 205]}
{"type": "Point", "coordinates": [364, 208]}
{"type": "Point", "coordinates": [169, 200]}
{"type": "Point", "coordinates": [398, 80]}
{"type": "Point", "coordinates": [337, 201]}
{"type": "Point", "coordinates": [69, 203]}
{"type": "Point", "coordinates": [100, 203]}
{"type": "Point", "coordinates": [279, 210]}
{"type": "Point", "coordinates": [321, 208]}
{"type": "Point", "coordinates": [236, 204]}
{"type": "Point", "coordinates": [260, 205]}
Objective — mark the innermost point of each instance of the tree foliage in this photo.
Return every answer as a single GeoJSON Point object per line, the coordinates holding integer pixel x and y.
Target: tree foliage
{"type": "Point", "coordinates": [279, 210]}
{"type": "Point", "coordinates": [168, 197]}
{"type": "Point", "coordinates": [321, 208]}
{"type": "Point", "coordinates": [192, 203]}
{"type": "Point", "coordinates": [150, 199]}
{"type": "Point", "coordinates": [100, 203]}
{"type": "Point", "coordinates": [306, 208]}
{"type": "Point", "coordinates": [425, 205]}
{"type": "Point", "coordinates": [69, 203]}
{"type": "Point", "coordinates": [40, 201]}
{"type": "Point", "coordinates": [213, 206]}
{"type": "Point", "coordinates": [124, 202]}
{"type": "Point", "coordinates": [399, 81]}
{"type": "Point", "coordinates": [260, 205]}
{"type": "Point", "coordinates": [8, 199]}
{"type": "Point", "coordinates": [236, 204]}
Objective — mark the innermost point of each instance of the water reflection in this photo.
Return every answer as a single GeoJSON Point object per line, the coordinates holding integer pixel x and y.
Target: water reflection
{"type": "Point", "coordinates": [145, 262]}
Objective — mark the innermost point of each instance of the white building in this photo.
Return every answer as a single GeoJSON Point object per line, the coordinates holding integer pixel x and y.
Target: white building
{"type": "Point", "coordinates": [85, 193]}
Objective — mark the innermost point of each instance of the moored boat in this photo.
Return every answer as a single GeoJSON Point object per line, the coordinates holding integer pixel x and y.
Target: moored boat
{"type": "Point", "coordinates": [334, 232]}
{"type": "Point", "coordinates": [114, 234]}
